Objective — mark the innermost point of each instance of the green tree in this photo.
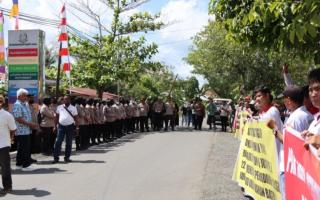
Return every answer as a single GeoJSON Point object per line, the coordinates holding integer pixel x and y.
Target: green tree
{"type": "Point", "coordinates": [112, 56]}
{"type": "Point", "coordinates": [278, 24]}
{"type": "Point", "coordinates": [231, 67]}
{"type": "Point", "coordinates": [191, 87]}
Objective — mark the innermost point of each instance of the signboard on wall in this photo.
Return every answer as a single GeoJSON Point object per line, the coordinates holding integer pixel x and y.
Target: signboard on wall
{"type": "Point", "coordinates": [26, 69]}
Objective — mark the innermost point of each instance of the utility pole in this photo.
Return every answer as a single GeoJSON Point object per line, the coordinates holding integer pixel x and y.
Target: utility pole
{"type": "Point", "coordinates": [58, 73]}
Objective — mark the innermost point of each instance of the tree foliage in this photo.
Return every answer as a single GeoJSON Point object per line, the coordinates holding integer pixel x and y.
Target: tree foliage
{"type": "Point", "coordinates": [279, 24]}
{"type": "Point", "coordinates": [114, 58]}
{"type": "Point", "coordinates": [231, 67]}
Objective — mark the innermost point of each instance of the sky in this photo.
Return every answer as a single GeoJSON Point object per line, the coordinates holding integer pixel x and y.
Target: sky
{"type": "Point", "coordinates": [185, 19]}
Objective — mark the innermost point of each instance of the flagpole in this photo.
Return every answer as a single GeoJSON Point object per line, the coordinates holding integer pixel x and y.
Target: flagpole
{"type": "Point", "coordinates": [69, 74]}
{"type": "Point", "coordinates": [58, 73]}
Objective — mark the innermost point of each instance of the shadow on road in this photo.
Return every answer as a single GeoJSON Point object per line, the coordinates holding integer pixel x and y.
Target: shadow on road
{"type": "Point", "coordinates": [30, 192]}
{"type": "Point", "coordinates": [39, 171]}
{"type": "Point", "coordinates": [89, 161]}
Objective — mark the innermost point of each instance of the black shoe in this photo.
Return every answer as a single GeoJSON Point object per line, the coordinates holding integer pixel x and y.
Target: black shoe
{"type": "Point", "coordinates": [68, 160]}
{"type": "Point", "coordinates": [6, 190]}
{"type": "Point", "coordinates": [54, 161]}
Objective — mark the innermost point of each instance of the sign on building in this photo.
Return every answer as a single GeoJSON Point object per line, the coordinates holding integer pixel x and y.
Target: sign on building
{"type": "Point", "coordinates": [26, 63]}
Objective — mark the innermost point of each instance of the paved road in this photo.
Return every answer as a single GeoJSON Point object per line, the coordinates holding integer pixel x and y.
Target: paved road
{"type": "Point", "coordinates": [180, 165]}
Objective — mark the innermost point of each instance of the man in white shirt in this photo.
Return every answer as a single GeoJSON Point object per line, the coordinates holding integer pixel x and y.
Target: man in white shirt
{"type": "Point", "coordinates": [7, 129]}
{"type": "Point", "coordinates": [312, 135]}
{"type": "Point", "coordinates": [299, 120]}
{"type": "Point", "coordinates": [267, 112]}
{"type": "Point", "coordinates": [67, 121]}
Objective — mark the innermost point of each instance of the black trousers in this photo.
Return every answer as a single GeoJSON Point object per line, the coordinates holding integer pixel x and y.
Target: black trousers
{"type": "Point", "coordinates": [80, 138]}
{"type": "Point", "coordinates": [117, 126]}
{"type": "Point", "coordinates": [93, 135]}
{"type": "Point", "coordinates": [108, 130]}
{"type": "Point", "coordinates": [35, 142]}
{"type": "Point", "coordinates": [5, 167]}
{"type": "Point", "coordinates": [211, 120]}
{"type": "Point", "coordinates": [224, 120]}
{"type": "Point", "coordinates": [47, 140]}
{"type": "Point", "coordinates": [158, 121]}
{"type": "Point", "coordinates": [23, 150]}
{"type": "Point", "coordinates": [170, 118]}
{"type": "Point", "coordinates": [144, 123]}
{"type": "Point", "coordinates": [198, 122]}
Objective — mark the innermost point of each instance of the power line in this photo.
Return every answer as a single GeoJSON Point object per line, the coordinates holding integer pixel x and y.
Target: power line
{"type": "Point", "coordinates": [49, 22]}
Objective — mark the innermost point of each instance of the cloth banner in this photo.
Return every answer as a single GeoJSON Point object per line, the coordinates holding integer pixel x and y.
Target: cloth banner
{"type": "Point", "coordinates": [256, 168]}
{"type": "Point", "coordinates": [302, 168]}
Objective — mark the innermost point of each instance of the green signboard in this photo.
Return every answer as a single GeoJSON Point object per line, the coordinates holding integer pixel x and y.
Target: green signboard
{"type": "Point", "coordinates": [23, 68]}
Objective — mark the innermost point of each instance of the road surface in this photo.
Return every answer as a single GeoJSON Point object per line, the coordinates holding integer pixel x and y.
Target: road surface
{"type": "Point", "coordinates": [180, 165]}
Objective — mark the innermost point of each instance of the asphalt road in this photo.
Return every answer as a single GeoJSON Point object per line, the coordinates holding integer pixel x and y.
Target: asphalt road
{"type": "Point", "coordinates": [180, 165]}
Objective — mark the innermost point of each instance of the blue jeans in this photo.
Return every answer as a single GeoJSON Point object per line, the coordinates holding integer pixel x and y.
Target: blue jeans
{"type": "Point", "coordinates": [63, 131]}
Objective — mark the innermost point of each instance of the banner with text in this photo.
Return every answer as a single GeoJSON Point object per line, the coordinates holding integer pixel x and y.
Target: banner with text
{"type": "Point", "coordinates": [302, 168]}
{"type": "Point", "coordinates": [256, 168]}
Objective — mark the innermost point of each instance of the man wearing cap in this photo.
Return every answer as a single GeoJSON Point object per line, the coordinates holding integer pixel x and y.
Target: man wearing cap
{"type": "Point", "coordinates": [299, 120]}
{"type": "Point", "coordinates": [7, 129]}
{"type": "Point", "coordinates": [22, 115]}
{"type": "Point", "coordinates": [67, 122]}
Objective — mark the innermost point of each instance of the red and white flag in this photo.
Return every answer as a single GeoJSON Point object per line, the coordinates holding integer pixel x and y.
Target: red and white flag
{"type": "Point", "coordinates": [63, 38]}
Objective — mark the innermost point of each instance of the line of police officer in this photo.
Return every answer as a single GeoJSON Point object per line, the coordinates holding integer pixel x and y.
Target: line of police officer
{"type": "Point", "coordinates": [104, 121]}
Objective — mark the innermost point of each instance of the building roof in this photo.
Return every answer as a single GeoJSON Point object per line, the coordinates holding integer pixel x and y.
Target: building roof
{"type": "Point", "coordinates": [90, 93]}
{"type": "Point", "coordinates": [210, 93]}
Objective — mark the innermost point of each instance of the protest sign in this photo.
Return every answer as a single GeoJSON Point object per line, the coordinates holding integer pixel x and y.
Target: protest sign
{"type": "Point", "coordinates": [256, 168]}
{"type": "Point", "coordinates": [302, 168]}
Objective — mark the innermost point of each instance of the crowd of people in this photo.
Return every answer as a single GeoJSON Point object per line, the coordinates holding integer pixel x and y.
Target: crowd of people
{"type": "Point", "coordinates": [94, 121]}
{"type": "Point", "coordinates": [297, 107]}
{"type": "Point", "coordinates": [42, 128]}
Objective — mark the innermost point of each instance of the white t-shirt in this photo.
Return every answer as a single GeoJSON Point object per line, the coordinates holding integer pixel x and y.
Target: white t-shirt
{"type": "Point", "coordinates": [65, 118]}
{"type": "Point", "coordinates": [7, 124]}
{"type": "Point", "coordinates": [315, 125]}
{"type": "Point", "coordinates": [299, 120]}
{"type": "Point", "coordinates": [273, 113]}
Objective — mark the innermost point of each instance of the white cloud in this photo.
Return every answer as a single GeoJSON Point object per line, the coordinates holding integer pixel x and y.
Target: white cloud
{"type": "Point", "coordinates": [187, 19]}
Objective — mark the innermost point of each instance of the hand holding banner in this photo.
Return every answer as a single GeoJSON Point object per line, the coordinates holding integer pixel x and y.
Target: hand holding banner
{"type": "Point", "coordinates": [256, 168]}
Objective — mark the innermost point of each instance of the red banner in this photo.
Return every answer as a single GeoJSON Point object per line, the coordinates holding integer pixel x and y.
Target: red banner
{"type": "Point", "coordinates": [302, 169]}
{"type": "Point", "coordinates": [23, 52]}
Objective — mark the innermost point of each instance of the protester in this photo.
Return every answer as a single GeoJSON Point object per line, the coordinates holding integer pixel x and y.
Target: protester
{"type": "Point", "coordinates": [288, 81]}
{"type": "Point", "coordinates": [67, 123]}
{"type": "Point", "coordinates": [312, 134]}
{"type": "Point", "coordinates": [23, 117]}
{"type": "Point", "coordinates": [299, 120]}
{"type": "Point", "coordinates": [7, 130]}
